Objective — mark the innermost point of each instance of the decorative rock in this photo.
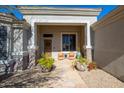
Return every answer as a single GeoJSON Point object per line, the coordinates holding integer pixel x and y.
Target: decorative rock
{"type": "Point", "coordinates": [44, 70]}
{"type": "Point", "coordinates": [80, 67]}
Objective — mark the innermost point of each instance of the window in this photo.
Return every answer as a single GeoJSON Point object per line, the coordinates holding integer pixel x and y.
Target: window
{"type": "Point", "coordinates": [47, 35]}
{"type": "Point", "coordinates": [3, 42]}
{"type": "Point", "coordinates": [69, 42]}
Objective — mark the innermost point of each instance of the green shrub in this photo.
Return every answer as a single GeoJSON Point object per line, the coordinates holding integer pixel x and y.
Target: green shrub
{"type": "Point", "coordinates": [46, 62]}
{"type": "Point", "coordinates": [82, 60]}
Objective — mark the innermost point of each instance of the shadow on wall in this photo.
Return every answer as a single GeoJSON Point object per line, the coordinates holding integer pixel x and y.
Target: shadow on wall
{"type": "Point", "coordinates": [118, 65]}
{"type": "Point", "coordinates": [26, 39]}
{"type": "Point", "coordinates": [20, 42]}
{"type": "Point", "coordinates": [111, 62]}
{"type": "Point", "coordinates": [109, 46]}
{"type": "Point", "coordinates": [108, 52]}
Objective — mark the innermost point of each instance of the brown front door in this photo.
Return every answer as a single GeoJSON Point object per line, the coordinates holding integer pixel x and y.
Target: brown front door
{"type": "Point", "coordinates": [48, 47]}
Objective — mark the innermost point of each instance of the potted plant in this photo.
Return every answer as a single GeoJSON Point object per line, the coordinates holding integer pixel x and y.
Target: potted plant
{"type": "Point", "coordinates": [46, 63]}
{"type": "Point", "coordinates": [91, 66]}
{"type": "Point", "coordinates": [78, 55]}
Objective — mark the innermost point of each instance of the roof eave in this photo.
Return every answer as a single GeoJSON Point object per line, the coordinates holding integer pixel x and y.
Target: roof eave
{"type": "Point", "coordinates": [28, 10]}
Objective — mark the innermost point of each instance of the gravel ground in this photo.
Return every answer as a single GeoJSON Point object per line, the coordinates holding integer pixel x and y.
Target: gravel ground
{"type": "Point", "coordinates": [100, 79]}
{"type": "Point", "coordinates": [29, 79]}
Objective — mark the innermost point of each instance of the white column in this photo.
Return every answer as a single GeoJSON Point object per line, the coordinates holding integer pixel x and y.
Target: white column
{"type": "Point", "coordinates": [31, 21]}
{"type": "Point", "coordinates": [32, 37]}
{"type": "Point", "coordinates": [31, 49]}
{"type": "Point", "coordinates": [34, 30]}
{"type": "Point", "coordinates": [88, 46]}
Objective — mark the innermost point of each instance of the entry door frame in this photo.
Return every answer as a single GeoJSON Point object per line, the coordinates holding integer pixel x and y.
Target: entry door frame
{"type": "Point", "coordinates": [50, 38]}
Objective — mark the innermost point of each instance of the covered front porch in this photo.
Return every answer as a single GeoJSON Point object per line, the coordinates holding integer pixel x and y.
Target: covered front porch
{"type": "Point", "coordinates": [60, 24]}
{"type": "Point", "coordinates": [52, 38]}
{"type": "Point", "coordinates": [55, 38]}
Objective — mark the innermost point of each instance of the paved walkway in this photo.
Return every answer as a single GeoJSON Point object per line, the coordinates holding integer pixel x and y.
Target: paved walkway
{"type": "Point", "coordinates": [63, 76]}
{"type": "Point", "coordinates": [69, 76]}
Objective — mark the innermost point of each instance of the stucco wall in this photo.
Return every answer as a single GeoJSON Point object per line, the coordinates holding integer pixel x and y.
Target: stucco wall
{"type": "Point", "coordinates": [57, 32]}
{"type": "Point", "coordinates": [16, 54]}
{"type": "Point", "coordinates": [109, 43]}
{"type": "Point", "coordinates": [20, 37]}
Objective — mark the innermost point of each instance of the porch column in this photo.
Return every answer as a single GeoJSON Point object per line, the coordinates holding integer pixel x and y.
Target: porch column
{"type": "Point", "coordinates": [31, 48]}
{"type": "Point", "coordinates": [88, 43]}
{"type": "Point", "coordinates": [33, 36]}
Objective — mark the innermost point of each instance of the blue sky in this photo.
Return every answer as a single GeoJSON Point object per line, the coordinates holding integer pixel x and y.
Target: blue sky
{"type": "Point", "coordinates": [106, 9]}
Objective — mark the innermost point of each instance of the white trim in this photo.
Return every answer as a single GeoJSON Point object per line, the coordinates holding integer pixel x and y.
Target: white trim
{"type": "Point", "coordinates": [27, 10]}
{"type": "Point", "coordinates": [88, 36]}
{"type": "Point", "coordinates": [69, 33]}
{"type": "Point", "coordinates": [59, 24]}
{"type": "Point", "coordinates": [58, 8]}
{"type": "Point", "coordinates": [88, 46]}
{"type": "Point", "coordinates": [110, 18]}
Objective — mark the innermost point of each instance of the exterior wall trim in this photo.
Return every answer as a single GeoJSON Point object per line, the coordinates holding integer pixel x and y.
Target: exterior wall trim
{"type": "Point", "coordinates": [27, 10]}
{"type": "Point", "coordinates": [110, 18]}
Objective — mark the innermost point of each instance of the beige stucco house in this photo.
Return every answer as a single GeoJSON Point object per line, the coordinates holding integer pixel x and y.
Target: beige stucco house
{"type": "Point", "coordinates": [60, 29]}
{"type": "Point", "coordinates": [45, 30]}
{"type": "Point", "coordinates": [52, 30]}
